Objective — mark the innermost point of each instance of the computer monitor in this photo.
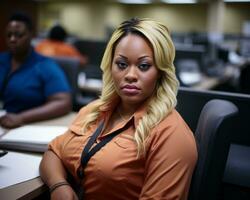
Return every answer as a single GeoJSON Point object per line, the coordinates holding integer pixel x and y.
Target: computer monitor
{"type": "Point", "coordinates": [191, 52]}
{"type": "Point", "coordinates": [223, 54]}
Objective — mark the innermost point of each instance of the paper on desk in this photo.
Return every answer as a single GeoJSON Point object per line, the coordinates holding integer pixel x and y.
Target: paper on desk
{"type": "Point", "coordinates": [18, 167]}
{"type": "Point", "coordinates": [30, 138]}
{"type": "Point", "coordinates": [34, 134]}
{"type": "Point", "coordinates": [2, 131]}
{"type": "Point", "coordinates": [190, 78]}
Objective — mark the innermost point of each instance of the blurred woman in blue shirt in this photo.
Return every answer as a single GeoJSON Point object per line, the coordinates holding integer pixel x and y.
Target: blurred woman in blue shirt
{"type": "Point", "coordinates": [32, 87]}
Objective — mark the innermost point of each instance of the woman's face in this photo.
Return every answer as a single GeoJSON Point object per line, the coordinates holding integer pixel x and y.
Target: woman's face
{"type": "Point", "coordinates": [18, 37]}
{"type": "Point", "coordinates": [133, 70]}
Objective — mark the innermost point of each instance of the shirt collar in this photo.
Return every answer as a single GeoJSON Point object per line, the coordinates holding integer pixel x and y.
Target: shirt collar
{"type": "Point", "coordinates": [107, 110]}
{"type": "Point", "coordinates": [28, 60]}
{"type": "Point", "coordinates": [105, 114]}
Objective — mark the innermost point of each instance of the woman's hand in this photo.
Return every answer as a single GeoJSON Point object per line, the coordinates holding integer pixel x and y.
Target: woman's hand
{"type": "Point", "coordinates": [11, 120]}
{"type": "Point", "coordinates": [64, 192]}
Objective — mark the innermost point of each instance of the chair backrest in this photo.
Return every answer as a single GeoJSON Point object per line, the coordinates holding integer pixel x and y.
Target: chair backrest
{"type": "Point", "coordinates": [71, 67]}
{"type": "Point", "coordinates": [213, 139]}
{"type": "Point", "coordinates": [244, 79]}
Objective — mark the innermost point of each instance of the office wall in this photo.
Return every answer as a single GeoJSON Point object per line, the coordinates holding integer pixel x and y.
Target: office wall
{"type": "Point", "coordinates": [235, 16]}
{"type": "Point", "coordinates": [86, 20]}
{"type": "Point", "coordinates": [93, 20]}
{"type": "Point", "coordinates": [179, 18]}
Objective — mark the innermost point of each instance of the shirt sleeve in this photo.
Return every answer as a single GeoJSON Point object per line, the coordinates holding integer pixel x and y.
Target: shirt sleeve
{"type": "Point", "coordinates": [57, 145]}
{"type": "Point", "coordinates": [170, 162]}
{"type": "Point", "coordinates": [54, 78]}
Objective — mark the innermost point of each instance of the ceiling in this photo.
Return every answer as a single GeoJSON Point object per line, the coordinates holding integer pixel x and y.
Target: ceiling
{"type": "Point", "coordinates": [114, 1]}
{"type": "Point", "coordinates": [133, 1]}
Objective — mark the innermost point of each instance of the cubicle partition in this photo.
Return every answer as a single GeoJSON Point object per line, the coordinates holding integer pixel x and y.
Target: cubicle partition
{"type": "Point", "coordinates": [237, 171]}
{"type": "Point", "coordinates": [190, 103]}
{"type": "Point", "coordinates": [92, 49]}
{"type": "Point", "coordinates": [191, 52]}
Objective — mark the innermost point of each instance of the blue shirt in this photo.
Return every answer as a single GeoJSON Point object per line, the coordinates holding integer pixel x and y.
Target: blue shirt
{"type": "Point", "coordinates": [31, 84]}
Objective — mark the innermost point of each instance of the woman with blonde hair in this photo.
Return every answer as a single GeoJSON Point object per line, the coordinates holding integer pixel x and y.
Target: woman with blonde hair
{"type": "Point", "coordinates": [131, 143]}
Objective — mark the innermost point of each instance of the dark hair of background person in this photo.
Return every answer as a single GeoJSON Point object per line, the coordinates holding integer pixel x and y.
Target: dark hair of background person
{"type": "Point", "coordinates": [57, 33]}
{"type": "Point", "coordinates": [22, 17]}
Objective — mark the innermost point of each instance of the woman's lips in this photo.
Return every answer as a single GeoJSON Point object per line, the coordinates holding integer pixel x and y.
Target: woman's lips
{"type": "Point", "coordinates": [130, 90]}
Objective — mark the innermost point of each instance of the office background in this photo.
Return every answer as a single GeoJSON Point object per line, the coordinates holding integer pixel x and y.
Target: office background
{"type": "Point", "coordinates": [204, 32]}
{"type": "Point", "coordinates": [226, 24]}
{"type": "Point", "coordinates": [93, 19]}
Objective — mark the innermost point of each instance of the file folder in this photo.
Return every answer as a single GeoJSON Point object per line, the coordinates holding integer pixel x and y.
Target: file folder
{"type": "Point", "coordinates": [30, 138]}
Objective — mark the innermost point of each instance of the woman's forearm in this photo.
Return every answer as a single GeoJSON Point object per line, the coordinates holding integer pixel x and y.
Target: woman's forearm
{"type": "Point", "coordinates": [52, 170]}
{"type": "Point", "coordinates": [56, 106]}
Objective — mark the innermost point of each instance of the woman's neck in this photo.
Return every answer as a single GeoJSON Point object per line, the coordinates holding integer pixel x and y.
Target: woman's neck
{"type": "Point", "coordinates": [18, 59]}
{"type": "Point", "coordinates": [126, 111]}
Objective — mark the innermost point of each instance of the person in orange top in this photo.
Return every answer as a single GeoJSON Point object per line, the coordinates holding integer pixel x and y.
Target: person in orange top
{"type": "Point", "coordinates": [131, 143]}
{"type": "Point", "coordinates": [55, 46]}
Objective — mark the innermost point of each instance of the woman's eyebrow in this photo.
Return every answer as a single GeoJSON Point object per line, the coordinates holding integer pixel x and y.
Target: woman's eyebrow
{"type": "Point", "coordinates": [124, 57]}
{"type": "Point", "coordinates": [142, 57]}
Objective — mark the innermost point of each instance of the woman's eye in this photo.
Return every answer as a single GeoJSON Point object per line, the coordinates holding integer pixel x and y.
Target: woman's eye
{"type": "Point", "coordinates": [144, 66]}
{"type": "Point", "coordinates": [17, 35]}
{"type": "Point", "coordinates": [121, 65]}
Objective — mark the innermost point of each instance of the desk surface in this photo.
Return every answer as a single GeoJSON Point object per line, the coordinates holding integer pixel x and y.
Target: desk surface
{"type": "Point", "coordinates": [33, 188]}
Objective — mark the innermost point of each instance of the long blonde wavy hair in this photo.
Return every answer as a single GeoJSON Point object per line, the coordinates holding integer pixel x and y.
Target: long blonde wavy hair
{"type": "Point", "coordinates": [163, 99]}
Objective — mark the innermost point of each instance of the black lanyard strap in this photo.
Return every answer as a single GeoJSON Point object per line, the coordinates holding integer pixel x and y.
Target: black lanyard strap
{"type": "Point", "coordinates": [92, 140]}
{"type": "Point", "coordinates": [87, 153]}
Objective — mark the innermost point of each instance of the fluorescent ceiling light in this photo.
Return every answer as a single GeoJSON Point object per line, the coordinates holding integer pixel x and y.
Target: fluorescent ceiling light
{"type": "Point", "coordinates": [179, 1]}
{"type": "Point", "coordinates": [135, 1]}
{"type": "Point", "coordinates": [236, 1]}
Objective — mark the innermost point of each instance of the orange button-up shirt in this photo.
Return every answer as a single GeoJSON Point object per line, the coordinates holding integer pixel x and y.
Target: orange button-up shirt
{"type": "Point", "coordinates": [115, 172]}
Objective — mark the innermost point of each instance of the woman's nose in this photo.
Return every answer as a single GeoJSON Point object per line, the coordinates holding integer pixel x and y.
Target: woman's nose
{"type": "Point", "coordinates": [12, 38]}
{"type": "Point", "coordinates": [131, 74]}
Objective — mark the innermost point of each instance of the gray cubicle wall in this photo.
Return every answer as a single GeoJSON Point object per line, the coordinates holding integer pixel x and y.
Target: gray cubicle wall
{"type": "Point", "coordinates": [94, 50]}
{"type": "Point", "coordinates": [236, 172]}
{"type": "Point", "coordinates": [91, 48]}
{"type": "Point", "coordinates": [190, 103]}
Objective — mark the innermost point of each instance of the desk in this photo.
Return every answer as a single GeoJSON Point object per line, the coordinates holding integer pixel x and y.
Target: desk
{"type": "Point", "coordinates": [206, 83]}
{"type": "Point", "coordinates": [211, 82]}
{"type": "Point", "coordinates": [33, 188]}
{"type": "Point", "coordinates": [89, 85]}
{"type": "Point", "coordinates": [60, 121]}
{"type": "Point", "coordinates": [89, 88]}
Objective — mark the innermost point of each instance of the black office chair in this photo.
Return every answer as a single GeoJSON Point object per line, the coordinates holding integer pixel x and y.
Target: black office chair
{"type": "Point", "coordinates": [94, 50]}
{"type": "Point", "coordinates": [213, 139]}
{"type": "Point", "coordinates": [71, 67]}
{"type": "Point", "coordinates": [237, 171]}
{"type": "Point", "coordinates": [244, 79]}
